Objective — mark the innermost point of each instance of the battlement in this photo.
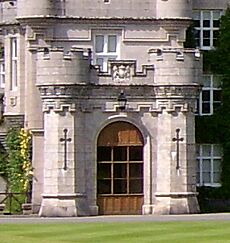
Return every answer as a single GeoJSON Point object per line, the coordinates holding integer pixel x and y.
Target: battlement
{"type": "Point", "coordinates": [28, 8]}
{"type": "Point", "coordinates": [173, 9]}
{"type": "Point", "coordinates": [156, 9]}
{"type": "Point", "coordinates": [56, 67]}
{"type": "Point", "coordinates": [176, 66]}
{"type": "Point", "coordinates": [8, 11]}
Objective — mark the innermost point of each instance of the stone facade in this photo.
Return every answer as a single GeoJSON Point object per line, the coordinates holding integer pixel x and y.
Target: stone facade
{"type": "Point", "coordinates": [61, 91]}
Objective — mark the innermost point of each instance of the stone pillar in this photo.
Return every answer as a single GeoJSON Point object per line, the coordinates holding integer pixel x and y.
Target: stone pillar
{"type": "Point", "coordinates": [176, 184]}
{"type": "Point", "coordinates": [59, 196]}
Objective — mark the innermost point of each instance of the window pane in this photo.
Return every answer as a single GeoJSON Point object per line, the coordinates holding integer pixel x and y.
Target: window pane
{"type": "Point", "coordinates": [196, 23]}
{"type": "Point", "coordinates": [100, 62]}
{"type": "Point", "coordinates": [206, 80]}
{"type": "Point", "coordinates": [136, 153]}
{"type": "Point", "coordinates": [206, 150]}
{"type": "Point", "coordinates": [206, 15]}
{"type": "Point", "coordinates": [136, 186]}
{"type": "Point", "coordinates": [99, 43]}
{"type": "Point", "coordinates": [216, 177]}
{"type": "Point", "coordinates": [206, 178]}
{"type": "Point", "coordinates": [206, 108]}
{"type": "Point", "coordinates": [216, 23]}
{"type": "Point", "coordinates": [197, 165]}
{"type": "Point", "coordinates": [198, 178]}
{"type": "Point", "coordinates": [112, 43]}
{"type": "Point", "coordinates": [206, 34]}
{"type": "Point", "coordinates": [206, 42]}
{"type": "Point", "coordinates": [217, 81]}
{"type": "Point", "coordinates": [104, 171]}
{"type": "Point", "coordinates": [120, 171]}
{"type": "Point", "coordinates": [197, 34]}
{"type": "Point", "coordinates": [206, 23]}
{"type": "Point", "coordinates": [216, 14]}
{"type": "Point", "coordinates": [217, 150]}
{"type": "Point", "coordinates": [215, 34]}
{"type": "Point", "coordinates": [217, 165]}
{"type": "Point", "coordinates": [136, 170]}
{"type": "Point", "coordinates": [120, 186]}
{"type": "Point", "coordinates": [120, 153]}
{"type": "Point", "coordinates": [206, 95]}
{"type": "Point", "coordinates": [13, 48]}
{"type": "Point", "coordinates": [206, 165]}
{"type": "Point", "coordinates": [104, 154]}
{"type": "Point", "coordinates": [104, 187]}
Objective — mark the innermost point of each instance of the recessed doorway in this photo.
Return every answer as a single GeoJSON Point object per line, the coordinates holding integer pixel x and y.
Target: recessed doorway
{"type": "Point", "coordinates": [120, 169]}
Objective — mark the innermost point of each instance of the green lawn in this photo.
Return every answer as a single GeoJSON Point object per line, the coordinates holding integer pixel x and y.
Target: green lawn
{"type": "Point", "coordinates": [185, 232]}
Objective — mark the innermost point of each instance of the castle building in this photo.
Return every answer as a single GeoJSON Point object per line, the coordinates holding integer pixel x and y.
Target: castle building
{"type": "Point", "coordinates": [110, 94]}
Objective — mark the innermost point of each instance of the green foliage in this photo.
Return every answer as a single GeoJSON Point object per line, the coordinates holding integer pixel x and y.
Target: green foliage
{"type": "Point", "coordinates": [14, 164]}
{"type": "Point", "coordinates": [3, 159]}
{"type": "Point", "coordinates": [213, 199]}
{"type": "Point", "coordinates": [208, 130]}
{"type": "Point", "coordinates": [16, 167]}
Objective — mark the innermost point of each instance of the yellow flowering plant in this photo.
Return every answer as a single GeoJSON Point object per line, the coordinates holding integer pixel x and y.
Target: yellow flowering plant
{"type": "Point", "coordinates": [19, 167]}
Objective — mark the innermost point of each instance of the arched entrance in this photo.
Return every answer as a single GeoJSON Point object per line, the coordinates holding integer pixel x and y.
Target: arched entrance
{"type": "Point", "coordinates": [120, 169]}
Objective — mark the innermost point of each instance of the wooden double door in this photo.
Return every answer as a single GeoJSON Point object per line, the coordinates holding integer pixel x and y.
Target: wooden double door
{"type": "Point", "coordinates": [120, 169]}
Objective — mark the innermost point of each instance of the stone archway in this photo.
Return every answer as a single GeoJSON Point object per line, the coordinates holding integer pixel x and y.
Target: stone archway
{"type": "Point", "coordinates": [120, 169]}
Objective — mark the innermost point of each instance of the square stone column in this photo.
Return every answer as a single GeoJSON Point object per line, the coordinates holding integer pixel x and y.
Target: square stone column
{"type": "Point", "coordinates": [59, 197]}
{"type": "Point", "coordinates": [176, 184]}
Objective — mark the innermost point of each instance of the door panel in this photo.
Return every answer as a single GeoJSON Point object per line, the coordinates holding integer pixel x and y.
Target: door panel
{"type": "Point", "coordinates": [109, 205]}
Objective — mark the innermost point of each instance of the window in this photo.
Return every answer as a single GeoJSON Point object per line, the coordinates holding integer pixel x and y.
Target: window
{"type": "Point", "coordinates": [105, 49]}
{"type": "Point", "coordinates": [2, 74]}
{"type": "Point", "coordinates": [13, 63]}
{"type": "Point", "coordinates": [207, 25]}
{"type": "Point", "coordinates": [120, 170]}
{"type": "Point", "coordinates": [209, 157]}
{"type": "Point", "coordinates": [210, 96]}
{"type": "Point", "coordinates": [2, 69]}
{"type": "Point", "coordinates": [120, 160]}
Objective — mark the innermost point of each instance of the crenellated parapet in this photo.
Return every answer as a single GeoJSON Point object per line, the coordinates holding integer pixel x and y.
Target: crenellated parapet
{"type": "Point", "coordinates": [28, 8]}
{"type": "Point", "coordinates": [8, 11]}
{"type": "Point", "coordinates": [124, 72]}
{"type": "Point", "coordinates": [176, 66]}
{"type": "Point", "coordinates": [56, 68]}
{"type": "Point", "coordinates": [166, 9]}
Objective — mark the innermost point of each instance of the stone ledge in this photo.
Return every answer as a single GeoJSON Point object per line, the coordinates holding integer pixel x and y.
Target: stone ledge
{"type": "Point", "coordinates": [63, 196]}
{"type": "Point", "coordinates": [176, 194]}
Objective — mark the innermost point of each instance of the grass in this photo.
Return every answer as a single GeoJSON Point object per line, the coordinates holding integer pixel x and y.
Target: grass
{"type": "Point", "coordinates": [204, 231]}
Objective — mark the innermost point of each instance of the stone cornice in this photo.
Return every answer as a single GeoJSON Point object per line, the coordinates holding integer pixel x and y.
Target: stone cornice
{"type": "Point", "coordinates": [111, 91]}
{"type": "Point", "coordinates": [86, 98]}
{"type": "Point", "coordinates": [105, 20]}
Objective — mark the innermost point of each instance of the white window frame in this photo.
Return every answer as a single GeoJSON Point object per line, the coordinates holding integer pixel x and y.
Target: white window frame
{"type": "Point", "coordinates": [211, 88]}
{"type": "Point", "coordinates": [2, 73]}
{"type": "Point", "coordinates": [105, 55]}
{"type": "Point", "coordinates": [199, 16]}
{"type": "Point", "coordinates": [13, 63]}
{"type": "Point", "coordinates": [212, 157]}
